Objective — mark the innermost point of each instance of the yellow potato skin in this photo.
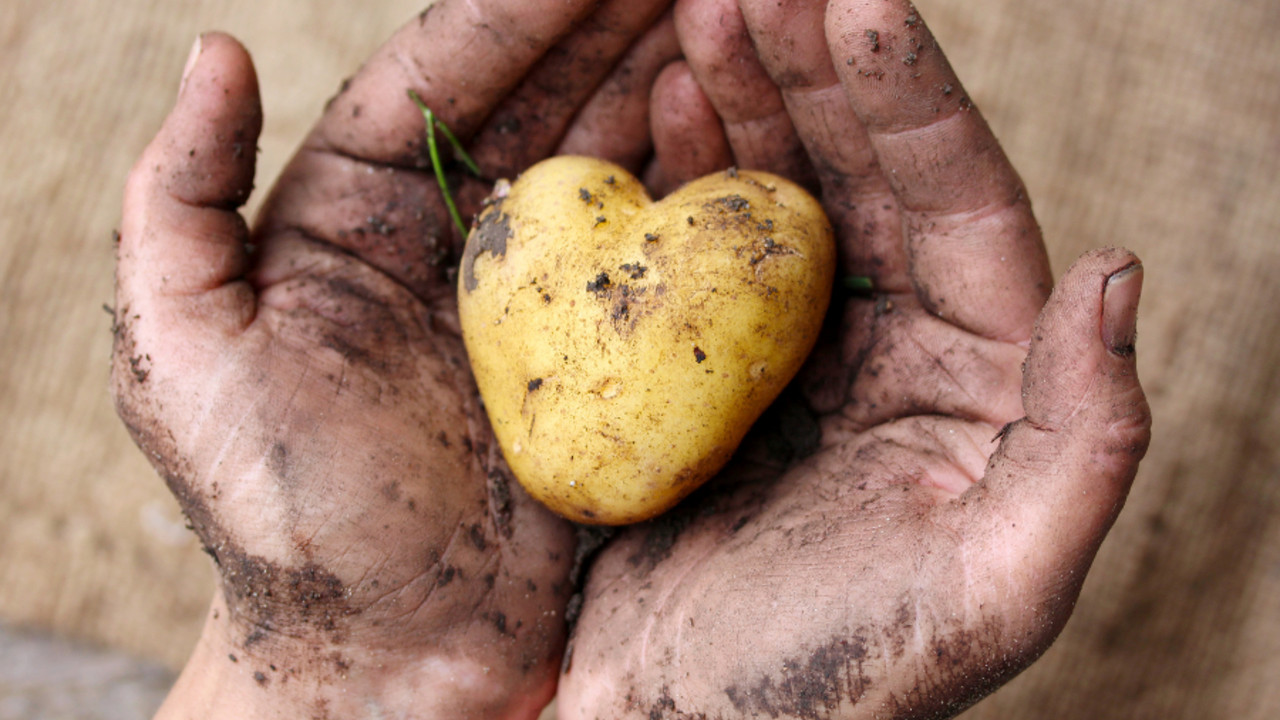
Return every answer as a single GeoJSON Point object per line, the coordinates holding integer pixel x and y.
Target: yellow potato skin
{"type": "Point", "coordinates": [623, 347]}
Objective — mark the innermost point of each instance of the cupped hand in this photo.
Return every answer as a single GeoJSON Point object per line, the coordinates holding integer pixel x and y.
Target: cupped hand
{"type": "Point", "coordinates": [301, 384]}
{"type": "Point", "coordinates": [913, 527]}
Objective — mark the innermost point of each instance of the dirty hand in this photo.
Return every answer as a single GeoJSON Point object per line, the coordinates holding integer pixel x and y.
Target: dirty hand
{"type": "Point", "coordinates": [930, 542]}
{"type": "Point", "coordinates": [301, 384]}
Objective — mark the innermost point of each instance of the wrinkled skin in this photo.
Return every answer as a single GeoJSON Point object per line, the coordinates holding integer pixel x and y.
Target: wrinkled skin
{"type": "Point", "coordinates": [907, 530]}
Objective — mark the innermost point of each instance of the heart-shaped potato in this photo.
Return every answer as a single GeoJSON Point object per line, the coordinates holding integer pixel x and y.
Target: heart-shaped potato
{"type": "Point", "coordinates": [623, 347]}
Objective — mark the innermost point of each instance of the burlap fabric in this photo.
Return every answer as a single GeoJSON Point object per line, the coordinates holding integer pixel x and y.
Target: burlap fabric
{"type": "Point", "coordinates": [1152, 125]}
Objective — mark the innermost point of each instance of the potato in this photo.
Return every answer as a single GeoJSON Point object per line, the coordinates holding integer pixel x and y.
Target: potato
{"type": "Point", "coordinates": [623, 347]}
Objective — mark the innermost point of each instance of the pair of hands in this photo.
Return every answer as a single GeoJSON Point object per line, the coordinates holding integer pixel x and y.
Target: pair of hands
{"type": "Point", "coordinates": [951, 458]}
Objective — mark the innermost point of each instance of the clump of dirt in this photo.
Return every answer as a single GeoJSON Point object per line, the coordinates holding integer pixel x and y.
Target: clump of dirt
{"type": "Point", "coordinates": [600, 286]}
{"type": "Point", "coordinates": [491, 236]}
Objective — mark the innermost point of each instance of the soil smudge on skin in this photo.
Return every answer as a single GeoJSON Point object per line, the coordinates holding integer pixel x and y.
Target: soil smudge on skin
{"type": "Point", "coordinates": [788, 431]}
{"type": "Point", "coordinates": [264, 596]}
{"type": "Point", "coordinates": [447, 575]}
{"type": "Point", "coordinates": [140, 373]}
{"type": "Point", "coordinates": [278, 463]}
{"type": "Point", "coordinates": [475, 533]}
{"type": "Point", "coordinates": [591, 539]}
{"type": "Point", "coordinates": [271, 598]}
{"type": "Point", "coordinates": [873, 39]}
{"type": "Point", "coordinates": [664, 708]}
{"type": "Point", "coordinates": [365, 330]}
{"type": "Point", "coordinates": [661, 538]}
{"type": "Point", "coordinates": [353, 354]}
{"type": "Point", "coordinates": [500, 502]}
{"type": "Point", "coordinates": [811, 687]}
{"type": "Point", "coordinates": [960, 673]}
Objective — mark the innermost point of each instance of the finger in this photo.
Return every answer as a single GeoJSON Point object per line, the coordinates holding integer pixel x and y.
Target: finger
{"type": "Point", "coordinates": [792, 45]}
{"type": "Point", "coordinates": [460, 56]}
{"type": "Point", "coordinates": [718, 49]}
{"type": "Point", "coordinates": [528, 125]}
{"type": "Point", "coordinates": [688, 139]}
{"type": "Point", "coordinates": [975, 250]}
{"type": "Point", "coordinates": [182, 242]}
{"type": "Point", "coordinates": [1058, 478]}
{"type": "Point", "coordinates": [614, 123]}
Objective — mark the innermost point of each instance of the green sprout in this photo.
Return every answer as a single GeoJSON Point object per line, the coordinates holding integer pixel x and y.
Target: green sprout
{"type": "Point", "coordinates": [433, 150]}
{"type": "Point", "coordinates": [859, 283]}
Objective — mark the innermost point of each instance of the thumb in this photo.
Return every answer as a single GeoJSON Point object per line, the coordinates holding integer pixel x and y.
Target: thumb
{"type": "Point", "coordinates": [1061, 474]}
{"type": "Point", "coordinates": [182, 241]}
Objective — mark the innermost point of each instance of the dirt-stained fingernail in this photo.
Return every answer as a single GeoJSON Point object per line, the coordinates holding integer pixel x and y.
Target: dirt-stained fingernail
{"type": "Point", "coordinates": [192, 58]}
{"type": "Point", "coordinates": [1120, 309]}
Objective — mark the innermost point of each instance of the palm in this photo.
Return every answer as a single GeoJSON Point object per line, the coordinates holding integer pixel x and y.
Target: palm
{"type": "Point", "coordinates": [360, 447]}
{"type": "Point", "coordinates": [791, 594]}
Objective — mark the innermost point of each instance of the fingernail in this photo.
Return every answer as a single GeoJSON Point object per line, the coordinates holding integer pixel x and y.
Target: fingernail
{"type": "Point", "coordinates": [192, 57]}
{"type": "Point", "coordinates": [1120, 310]}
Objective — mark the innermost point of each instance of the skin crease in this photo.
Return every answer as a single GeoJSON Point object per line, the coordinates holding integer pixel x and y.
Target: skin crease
{"type": "Point", "coordinates": [906, 530]}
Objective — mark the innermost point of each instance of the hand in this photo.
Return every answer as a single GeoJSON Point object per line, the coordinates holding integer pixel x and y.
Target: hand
{"type": "Point", "coordinates": [302, 386]}
{"type": "Point", "coordinates": [932, 543]}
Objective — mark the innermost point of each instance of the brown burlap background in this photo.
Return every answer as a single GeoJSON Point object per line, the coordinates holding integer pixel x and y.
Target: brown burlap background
{"type": "Point", "coordinates": [1152, 125]}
